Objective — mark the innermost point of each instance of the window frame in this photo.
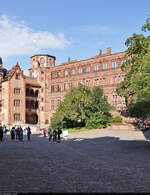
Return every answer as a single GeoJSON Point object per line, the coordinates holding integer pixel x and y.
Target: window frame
{"type": "Point", "coordinates": [17, 117]}
{"type": "Point", "coordinates": [17, 102]}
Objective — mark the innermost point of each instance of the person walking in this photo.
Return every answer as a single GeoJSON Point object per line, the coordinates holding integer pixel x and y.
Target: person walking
{"type": "Point", "coordinates": [5, 131]}
{"type": "Point", "coordinates": [59, 133]}
{"type": "Point", "coordinates": [17, 132]}
{"type": "Point", "coordinates": [28, 133]}
{"type": "Point", "coordinates": [44, 132]}
{"type": "Point", "coordinates": [141, 123]}
{"type": "Point", "coordinates": [49, 134]}
{"type": "Point", "coordinates": [12, 133]}
{"type": "Point", "coordinates": [20, 134]}
{"type": "Point", "coordinates": [1, 133]}
{"type": "Point", "coordinates": [55, 135]}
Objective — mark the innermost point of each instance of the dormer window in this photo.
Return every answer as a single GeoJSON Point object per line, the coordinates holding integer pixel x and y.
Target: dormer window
{"type": "Point", "coordinates": [17, 76]}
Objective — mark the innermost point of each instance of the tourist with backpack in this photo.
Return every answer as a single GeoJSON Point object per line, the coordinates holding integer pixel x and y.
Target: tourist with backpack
{"type": "Point", "coordinates": [55, 135]}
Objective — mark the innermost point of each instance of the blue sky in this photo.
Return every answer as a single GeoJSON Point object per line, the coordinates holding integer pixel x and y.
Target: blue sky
{"type": "Point", "coordinates": [63, 28]}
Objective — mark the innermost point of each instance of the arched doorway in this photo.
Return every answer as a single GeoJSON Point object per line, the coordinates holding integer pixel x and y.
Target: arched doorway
{"type": "Point", "coordinates": [31, 118]}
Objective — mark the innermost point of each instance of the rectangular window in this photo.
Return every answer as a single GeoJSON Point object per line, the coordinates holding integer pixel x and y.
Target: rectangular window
{"type": "Point", "coordinates": [96, 67]}
{"type": "Point", "coordinates": [52, 104]}
{"type": "Point", "coordinates": [104, 66]}
{"type": "Point", "coordinates": [16, 103]}
{"type": "Point", "coordinates": [52, 88]}
{"type": "Point", "coordinates": [104, 80]}
{"type": "Point", "coordinates": [17, 91]}
{"type": "Point", "coordinates": [80, 70]}
{"type": "Point", "coordinates": [58, 74]}
{"type": "Point", "coordinates": [72, 72]}
{"type": "Point", "coordinates": [97, 81]}
{"type": "Point", "coordinates": [65, 72]}
{"type": "Point", "coordinates": [88, 69]}
{"type": "Point", "coordinates": [70, 85]}
{"type": "Point", "coordinates": [17, 117]}
{"type": "Point", "coordinates": [115, 100]}
{"type": "Point", "coordinates": [114, 64]}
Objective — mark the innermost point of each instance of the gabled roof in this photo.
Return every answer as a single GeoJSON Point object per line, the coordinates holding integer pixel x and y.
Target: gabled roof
{"type": "Point", "coordinates": [10, 73]}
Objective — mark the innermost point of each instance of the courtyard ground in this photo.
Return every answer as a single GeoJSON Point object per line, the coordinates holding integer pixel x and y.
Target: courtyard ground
{"type": "Point", "coordinates": [90, 161]}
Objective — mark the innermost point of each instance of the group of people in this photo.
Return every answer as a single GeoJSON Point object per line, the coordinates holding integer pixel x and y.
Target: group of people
{"type": "Point", "coordinates": [55, 135]}
{"type": "Point", "coordinates": [16, 132]}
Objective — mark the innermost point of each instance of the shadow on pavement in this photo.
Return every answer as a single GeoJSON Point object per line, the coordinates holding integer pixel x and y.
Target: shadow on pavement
{"type": "Point", "coordinates": [102, 164]}
{"type": "Point", "coordinates": [146, 133]}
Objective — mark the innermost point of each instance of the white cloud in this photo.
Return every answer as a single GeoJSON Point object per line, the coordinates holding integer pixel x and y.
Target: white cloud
{"type": "Point", "coordinates": [16, 38]}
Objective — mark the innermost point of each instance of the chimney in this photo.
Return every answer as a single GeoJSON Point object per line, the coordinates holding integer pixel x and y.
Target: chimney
{"type": "Point", "coordinates": [108, 51]}
{"type": "Point", "coordinates": [69, 59]}
{"type": "Point", "coordinates": [100, 52]}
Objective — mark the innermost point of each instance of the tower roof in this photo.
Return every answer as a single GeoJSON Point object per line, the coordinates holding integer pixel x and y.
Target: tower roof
{"type": "Point", "coordinates": [44, 55]}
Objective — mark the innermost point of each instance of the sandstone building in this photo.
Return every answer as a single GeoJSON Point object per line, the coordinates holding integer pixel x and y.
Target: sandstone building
{"type": "Point", "coordinates": [34, 99]}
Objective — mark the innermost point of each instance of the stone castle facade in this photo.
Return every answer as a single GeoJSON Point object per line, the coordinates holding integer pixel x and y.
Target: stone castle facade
{"type": "Point", "coordinates": [34, 99]}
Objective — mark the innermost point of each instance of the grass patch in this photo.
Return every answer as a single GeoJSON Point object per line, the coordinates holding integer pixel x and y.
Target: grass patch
{"type": "Point", "coordinates": [77, 129]}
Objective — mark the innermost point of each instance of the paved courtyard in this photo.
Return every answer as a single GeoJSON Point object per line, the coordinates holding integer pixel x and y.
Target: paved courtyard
{"type": "Point", "coordinates": [92, 161]}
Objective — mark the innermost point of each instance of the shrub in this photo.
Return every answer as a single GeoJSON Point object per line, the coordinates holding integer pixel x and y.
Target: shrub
{"type": "Point", "coordinates": [117, 119]}
{"type": "Point", "coordinates": [98, 120]}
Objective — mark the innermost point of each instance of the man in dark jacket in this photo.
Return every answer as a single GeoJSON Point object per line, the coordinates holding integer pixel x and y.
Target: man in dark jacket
{"type": "Point", "coordinates": [1, 133]}
{"type": "Point", "coordinates": [59, 132]}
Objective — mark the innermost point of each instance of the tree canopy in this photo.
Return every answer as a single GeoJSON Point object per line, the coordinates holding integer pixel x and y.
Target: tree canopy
{"type": "Point", "coordinates": [79, 105]}
{"type": "Point", "coordinates": [136, 86]}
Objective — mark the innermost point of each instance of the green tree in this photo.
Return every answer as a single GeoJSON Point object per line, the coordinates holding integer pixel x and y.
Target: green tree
{"type": "Point", "coordinates": [97, 102]}
{"type": "Point", "coordinates": [72, 109]}
{"type": "Point", "coordinates": [136, 86]}
{"type": "Point", "coordinates": [80, 105]}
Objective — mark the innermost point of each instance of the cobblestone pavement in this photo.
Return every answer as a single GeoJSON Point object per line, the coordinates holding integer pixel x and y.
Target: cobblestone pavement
{"type": "Point", "coordinates": [92, 161]}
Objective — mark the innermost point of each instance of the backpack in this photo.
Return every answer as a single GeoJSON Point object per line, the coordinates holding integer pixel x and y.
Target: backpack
{"type": "Point", "coordinates": [54, 133]}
